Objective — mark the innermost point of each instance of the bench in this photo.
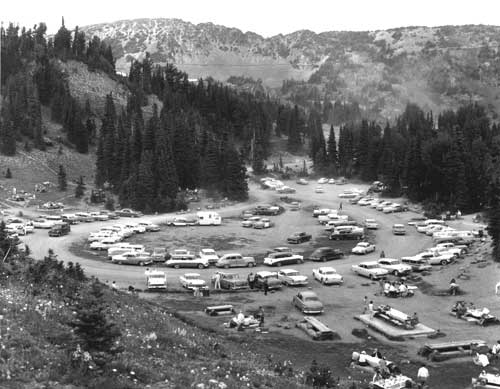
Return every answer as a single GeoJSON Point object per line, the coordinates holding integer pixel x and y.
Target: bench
{"type": "Point", "coordinates": [395, 317]}
{"type": "Point", "coordinates": [217, 310]}
{"type": "Point", "coordinates": [442, 351]}
{"type": "Point", "coordinates": [316, 329]}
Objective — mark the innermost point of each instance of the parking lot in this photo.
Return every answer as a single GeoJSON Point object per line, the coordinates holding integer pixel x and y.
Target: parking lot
{"type": "Point", "coordinates": [342, 303]}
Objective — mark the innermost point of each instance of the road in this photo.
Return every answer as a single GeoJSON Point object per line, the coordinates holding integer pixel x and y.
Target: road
{"type": "Point", "coordinates": [342, 303]}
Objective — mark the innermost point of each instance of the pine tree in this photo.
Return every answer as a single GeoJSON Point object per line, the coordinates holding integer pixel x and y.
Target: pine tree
{"type": "Point", "coordinates": [235, 183]}
{"type": "Point", "coordinates": [332, 152]}
{"type": "Point", "coordinates": [61, 178]}
{"type": "Point", "coordinates": [494, 213]}
{"type": "Point", "coordinates": [166, 175]}
{"type": "Point", "coordinates": [91, 325]}
{"type": "Point", "coordinates": [80, 188]}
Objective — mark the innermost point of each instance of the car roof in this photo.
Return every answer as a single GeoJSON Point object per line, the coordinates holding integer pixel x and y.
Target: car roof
{"type": "Point", "coordinates": [327, 268]}
{"type": "Point", "coordinates": [192, 274]}
{"type": "Point", "coordinates": [288, 270]}
{"type": "Point", "coordinates": [389, 259]}
{"type": "Point", "coordinates": [266, 273]}
{"type": "Point", "coordinates": [369, 263]}
{"type": "Point", "coordinates": [308, 293]}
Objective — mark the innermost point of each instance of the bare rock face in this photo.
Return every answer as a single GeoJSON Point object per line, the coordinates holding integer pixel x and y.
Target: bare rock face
{"type": "Point", "coordinates": [437, 68]}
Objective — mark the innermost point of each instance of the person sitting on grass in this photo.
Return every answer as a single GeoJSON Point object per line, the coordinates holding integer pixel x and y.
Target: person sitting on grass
{"type": "Point", "coordinates": [453, 287]}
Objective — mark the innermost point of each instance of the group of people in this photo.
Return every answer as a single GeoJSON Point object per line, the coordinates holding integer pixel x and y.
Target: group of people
{"type": "Point", "coordinates": [241, 321]}
{"type": "Point", "coordinates": [396, 289]}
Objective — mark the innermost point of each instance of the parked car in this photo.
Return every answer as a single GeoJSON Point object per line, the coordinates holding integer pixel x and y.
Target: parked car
{"type": "Point", "coordinates": [302, 181]}
{"type": "Point", "coordinates": [270, 277]}
{"type": "Point", "coordinates": [210, 255]}
{"type": "Point", "coordinates": [127, 212]}
{"type": "Point", "coordinates": [299, 237]}
{"type": "Point", "coordinates": [181, 221]}
{"type": "Point", "coordinates": [371, 269]}
{"type": "Point", "coordinates": [323, 180]}
{"type": "Point", "coordinates": [235, 260]}
{"type": "Point", "coordinates": [370, 224]}
{"type": "Point", "coordinates": [324, 254]}
{"type": "Point", "coordinates": [417, 264]}
{"type": "Point", "coordinates": [59, 229]}
{"type": "Point", "coordinates": [308, 303]}
{"type": "Point", "coordinates": [292, 277]}
{"type": "Point", "coordinates": [331, 181]}
{"type": "Point", "coordinates": [363, 248]}
{"type": "Point", "coordinates": [323, 211]}
{"type": "Point", "coordinates": [263, 223]}
{"type": "Point", "coordinates": [365, 201]}
{"type": "Point", "coordinates": [231, 281]}
{"type": "Point", "coordinates": [249, 223]}
{"type": "Point", "coordinates": [280, 259]}
{"type": "Point", "coordinates": [186, 261]}
{"type": "Point", "coordinates": [97, 216]}
{"type": "Point", "coordinates": [132, 258]}
{"type": "Point", "coordinates": [398, 229]}
{"type": "Point", "coordinates": [192, 280]}
{"type": "Point", "coordinates": [105, 243]}
{"type": "Point", "coordinates": [394, 266]}
{"type": "Point", "coordinates": [136, 228]}
{"type": "Point", "coordinates": [416, 219]}
{"type": "Point", "coordinates": [43, 223]}
{"type": "Point", "coordinates": [266, 210]}
{"type": "Point", "coordinates": [84, 217]}
{"type": "Point", "coordinates": [286, 189]}
{"type": "Point", "coordinates": [347, 234]}
{"type": "Point", "coordinates": [149, 227]}
{"type": "Point", "coordinates": [319, 189]}
{"type": "Point", "coordinates": [327, 276]}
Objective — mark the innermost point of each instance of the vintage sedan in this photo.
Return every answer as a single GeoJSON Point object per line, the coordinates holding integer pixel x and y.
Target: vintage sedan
{"type": "Point", "coordinates": [299, 237]}
{"type": "Point", "coordinates": [127, 212]}
{"type": "Point", "coordinates": [292, 277]}
{"type": "Point", "coordinates": [150, 227]}
{"type": "Point", "coordinates": [105, 243]}
{"type": "Point", "coordinates": [191, 281]}
{"type": "Point", "coordinates": [235, 260]}
{"type": "Point", "coordinates": [132, 258]}
{"type": "Point", "coordinates": [269, 277]}
{"type": "Point", "coordinates": [250, 222]}
{"type": "Point", "coordinates": [231, 281]}
{"type": "Point", "coordinates": [371, 269]}
{"type": "Point", "coordinates": [186, 261]}
{"type": "Point", "coordinates": [370, 224]}
{"type": "Point", "coordinates": [394, 266]}
{"type": "Point", "coordinates": [280, 259]}
{"type": "Point", "coordinates": [308, 303]}
{"type": "Point", "coordinates": [209, 254]}
{"type": "Point", "coordinates": [324, 254]}
{"type": "Point", "coordinates": [181, 221]}
{"type": "Point", "coordinates": [43, 223]}
{"type": "Point", "coordinates": [363, 248]}
{"type": "Point", "coordinates": [327, 276]}
{"type": "Point", "coordinates": [263, 223]}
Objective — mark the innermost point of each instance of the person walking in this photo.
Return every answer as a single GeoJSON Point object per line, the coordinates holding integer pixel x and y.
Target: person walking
{"type": "Point", "coordinates": [382, 254]}
{"type": "Point", "coordinates": [422, 376]}
{"type": "Point", "coordinates": [266, 286]}
{"type": "Point", "coordinates": [340, 206]}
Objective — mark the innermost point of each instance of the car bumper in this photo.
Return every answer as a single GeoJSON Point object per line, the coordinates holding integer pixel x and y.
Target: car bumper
{"type": "Point", "coordinates": [333, 282]}
{"type": "Point", "coordinates": [312, 311]}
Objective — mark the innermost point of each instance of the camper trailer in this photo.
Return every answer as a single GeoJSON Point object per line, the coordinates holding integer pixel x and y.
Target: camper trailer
{"type": "Point", "coordinates": [209, 218]}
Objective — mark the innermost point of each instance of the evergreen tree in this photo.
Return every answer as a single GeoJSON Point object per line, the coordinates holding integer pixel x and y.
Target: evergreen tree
{"type": "Point", "coordinates": [80, 188]}
{"type": "Point", "coordinates": [62, 42]}
{"type": "Point", "coordinates": [166, 177]}
{"type": "Point", "coordinates": [91, 325]}
{"type": "Point", "coordinates": [294, 128]}
{"type": "Point", "coordinates": [235, 183]}
{"type": "Point", "coordinates": [61, 178]}
{"type": "Point", "coordinates": [332, 152]}
{"type": "Point", "coordinates": [494, 214]}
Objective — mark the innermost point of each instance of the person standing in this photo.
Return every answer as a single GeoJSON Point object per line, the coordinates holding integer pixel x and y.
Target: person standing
{"type": "Point", "coordinates": [251, 280]}
{"type": "Point", "coordinates": [340, 206]}
{"type": "Point", "coordinates": [266, 286]}
{"type": "Point", "coordinates": [217, 281]}
{"type": "Point", "coordinates": [261, 316]}
{"type": "Point", "coordinates": [114, 287]}
{"type": "Point", "coordinates": [382, 254]}
{"type": "Point", "coordinates": [422, 376]}
{"type": "Point", "coordinates": [370, 308]}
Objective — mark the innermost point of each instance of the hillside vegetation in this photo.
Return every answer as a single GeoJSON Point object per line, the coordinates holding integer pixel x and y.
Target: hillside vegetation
{"type": "Point", "coordinates": [437, 68]}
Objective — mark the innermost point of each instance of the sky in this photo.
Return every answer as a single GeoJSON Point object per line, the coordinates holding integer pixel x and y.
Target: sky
{"type": "Point", "coordinates": [265, 17]}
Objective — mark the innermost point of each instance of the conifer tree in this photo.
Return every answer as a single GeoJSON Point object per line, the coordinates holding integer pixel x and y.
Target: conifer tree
{"type": "Point", "coordinates": [166, 175]}
{"type": "Point", "coordinates": [332, 151]}
{"type": "Point", "coordinates": [61, 178]}
{"type": "Point", "coordinates": [80, 188]}
{"type": "Point", "coordinates": [235, 183]}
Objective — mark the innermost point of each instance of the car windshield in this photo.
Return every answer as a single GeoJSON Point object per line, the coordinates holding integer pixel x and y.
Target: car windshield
{"type": "Point", "coordinates": [231, 276]}
{"type": "Point", "coordinates": [328, 272]}
{"type": "Point", "coordinates": [311, 298]}
{"type": "Point", "coordinates": [371, 266]}
{"type": "Point", "coordinates": [292, 273]}
{"type": "Point", "coordinates": [191, 277]}
{"type": "Point", "coordinates": [208, 251]}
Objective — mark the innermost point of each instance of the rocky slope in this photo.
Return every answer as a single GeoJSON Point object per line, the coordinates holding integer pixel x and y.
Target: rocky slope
{"type": "Point", "coordinates": [437, 68]}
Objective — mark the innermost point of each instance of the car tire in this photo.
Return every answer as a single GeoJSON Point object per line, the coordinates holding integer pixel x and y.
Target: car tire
{"type": "Point", "coordinates": [396, 273]}
{"type": "Point", "coordinates": [250, 264]}
{"type": "Point", "coordinates": [200, 266]}
{"type": "Point", "coordinates": [371, 277]}
{"type": "Point", "coordinates": [176, 266]}
{"type": "Point", "coordinates": [226, 266]}
{"type": "Point", "coordinates": [323, 259]}
{"type": "Point", "coordinates": [141, 264]}
{"type": "Point", "coordinates": [444, 262]}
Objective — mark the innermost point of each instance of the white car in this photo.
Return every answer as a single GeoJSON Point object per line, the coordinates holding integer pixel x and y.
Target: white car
{"type": "Point", "coordinates": [249, 223]}
{"type": "Point", "coordinates": [209, 254]}
{"type": "Point", "coordinates": [394, 266]}
{"type": "Point", "coordinates": [365, 201]}
{"type": "Point", "coordinates": [137, 228]}
{"type": "Point", "coordinates": [105, 243]}
{"type": "Point", "coordinates": [132, 258]}
{"type": "Point", "coordinates": [371, 269]}
{"type": "Point", "coordinates": [331, 181]}
{"type": "Point", "coordinates": [370, 224]}
{"type": "Point", "coordinates": [323, 180]}
{"type": "Point", "coordinates": [292, 277]}
{"type": "Point", "coordinates": [363, 248]}
{"type": "Point", "coordinates": [150, 227]}
{"type": "Point", "coordinates": [323, 211]}
{"type": "Point", "coordinates": [29, 227]}
{"type": "Point", "coordinates": [282, 258]}
{"type": "Point", "coordinates": [126, 232]}
{"type": "Point", "coordinates": [319, 189]}
{"type": "Point", "coordinates": [382, 205]}
{"type": "Point", "coordinates": [98, 236]}
{"type": "Point", "coordinates": [192, 280]}
{"type": "Point", "coordinates": [43, 223]}
{"type": "Point", "coordinates": [99, 216]}
{"type": "Point", "coordinates": [327, 276]}
{"type": "Point", "coordinates": [348, 194]}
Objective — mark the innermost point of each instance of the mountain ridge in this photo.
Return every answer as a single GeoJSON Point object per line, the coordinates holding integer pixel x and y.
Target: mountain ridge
{"type": "Point", "coordinates": [435, 67]}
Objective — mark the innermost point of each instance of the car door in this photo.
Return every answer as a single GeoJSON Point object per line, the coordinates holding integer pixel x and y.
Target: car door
{"type": "Point", "coordinates": [298, 301]}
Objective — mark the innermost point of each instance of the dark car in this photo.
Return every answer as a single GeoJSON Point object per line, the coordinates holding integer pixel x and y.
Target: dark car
{"type": "Point", "coordinates": [326, 254]}
{"type": "Point", "coordinates": [232, 281]}
{"type": "Point", "coordinates": [60, 229]}
{"type": "Point", "coordinates": [127, 212]}
{"type": "Point", "coordinates": [273, 282]}
{"type": "Point", "coordinates": [299, 237]}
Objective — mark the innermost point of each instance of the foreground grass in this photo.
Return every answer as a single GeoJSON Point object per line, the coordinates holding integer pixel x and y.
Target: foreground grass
{"type": "Point", "coordinates": [38, 345]}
